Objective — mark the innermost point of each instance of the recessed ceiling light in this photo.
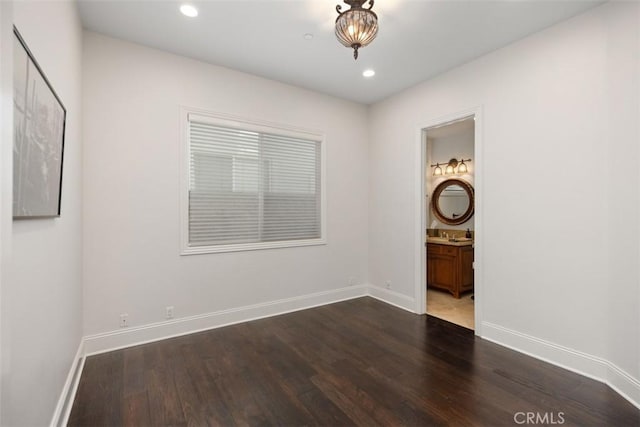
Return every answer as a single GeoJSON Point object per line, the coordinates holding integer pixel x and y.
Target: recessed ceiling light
{"type": "Point", "coordinates": [368, 73]}
{"type": "Point", "coordinates": [308, 36]}
{"type": "Point", "coordinates": [188, 10]}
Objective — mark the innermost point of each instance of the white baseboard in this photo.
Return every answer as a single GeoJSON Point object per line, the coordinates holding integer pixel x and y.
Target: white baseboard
{"type": "Point", "coordinates": [567, 358]}
{"type": "Point", "coordinates": [581, 363]}
{"type": "Point", "coordinates": [68, 394]}
{"type": "Point", "coordinates": [393, 298]}
{"type": "Point", "coordinates": [128, 337]}
{"type": "Point", "coordinates": [624, 384]}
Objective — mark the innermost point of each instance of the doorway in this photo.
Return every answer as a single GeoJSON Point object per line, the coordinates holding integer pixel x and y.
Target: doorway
{"type": "Point", "coordinates": [450, 220]}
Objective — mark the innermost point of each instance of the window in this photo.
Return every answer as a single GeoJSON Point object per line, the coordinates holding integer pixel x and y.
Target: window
{"type": "Point", "coordinates": [251, 186]}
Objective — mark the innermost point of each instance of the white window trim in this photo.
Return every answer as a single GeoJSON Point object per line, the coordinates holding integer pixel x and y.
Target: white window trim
{"type": "Point", "coordinates": [245, 124]}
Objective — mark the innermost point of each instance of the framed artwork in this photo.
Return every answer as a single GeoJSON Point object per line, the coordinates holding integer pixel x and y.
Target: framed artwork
{"type": "Point", "coordinates": [38, 141]}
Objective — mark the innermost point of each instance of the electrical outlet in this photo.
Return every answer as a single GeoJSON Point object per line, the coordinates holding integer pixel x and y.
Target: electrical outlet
{"type": "Point", "coordinates": [352, 281]}
{"type": "Point", "coordinates": [388, 284]}
{"type": "Point", "coordinates": [124, 320]}
{"type": "Point", "coordinates": [169, 312]}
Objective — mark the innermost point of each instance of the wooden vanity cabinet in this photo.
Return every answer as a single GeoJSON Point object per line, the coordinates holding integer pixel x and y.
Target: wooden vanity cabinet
{"type": "Point", "coordinates": [450, 268]}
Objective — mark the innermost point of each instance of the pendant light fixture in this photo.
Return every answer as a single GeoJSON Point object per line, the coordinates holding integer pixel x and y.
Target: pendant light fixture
{"type": "Point", "coordinates": [356, 27]}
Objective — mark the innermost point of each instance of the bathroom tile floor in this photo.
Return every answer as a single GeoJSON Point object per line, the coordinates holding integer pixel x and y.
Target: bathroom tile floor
{"type": "Point", "coordinates": [443, 305]}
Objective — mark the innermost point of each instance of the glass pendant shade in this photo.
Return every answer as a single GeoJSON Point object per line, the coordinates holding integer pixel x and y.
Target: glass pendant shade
{"type": "Point", "coordinates": [437, 171]}
{"type": "Point", "coordinates": [462, 167]}
{"type": "Point", "coordinates": [356, 27]}
{"type": "Point", "coordinates": [449, 170]}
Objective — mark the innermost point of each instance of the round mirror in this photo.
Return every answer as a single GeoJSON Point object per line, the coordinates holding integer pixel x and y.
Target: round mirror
{"type": "Point", "coordinates": [452, 202]}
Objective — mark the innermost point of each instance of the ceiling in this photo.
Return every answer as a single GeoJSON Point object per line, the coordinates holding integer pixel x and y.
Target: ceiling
{"type": "Point", "coordinates": [417, 40]}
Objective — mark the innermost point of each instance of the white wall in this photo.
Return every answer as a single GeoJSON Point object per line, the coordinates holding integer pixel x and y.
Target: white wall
{"type": "Point", "coordinates": [623, 188]}
{"type": "Point", "coordinates": [555, 267]}
{"type": "Point", "coordinates": [6, 153]}
{"type": "Point", "coordinates": [132, 264]}
{"type": "Point", "coordinates": [41, 280]}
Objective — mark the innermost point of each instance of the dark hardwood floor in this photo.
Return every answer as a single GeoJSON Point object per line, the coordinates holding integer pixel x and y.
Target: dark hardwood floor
{"type": "Point", "coordinates": [358, 362]}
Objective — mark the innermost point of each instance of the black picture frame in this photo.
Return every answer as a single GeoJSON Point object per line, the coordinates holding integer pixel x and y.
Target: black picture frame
{"type": "Point", "coordinates": [39, 122]}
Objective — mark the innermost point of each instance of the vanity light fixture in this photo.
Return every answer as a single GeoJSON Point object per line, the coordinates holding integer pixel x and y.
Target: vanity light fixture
{"type": "Point", "coordinates": [356, 27]}
{"type": "Point", "coordinates": [453, 166]}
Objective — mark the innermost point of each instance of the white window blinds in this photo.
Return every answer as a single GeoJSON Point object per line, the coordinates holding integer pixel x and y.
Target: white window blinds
{"type": "Point", "coordinates": [248, 186]}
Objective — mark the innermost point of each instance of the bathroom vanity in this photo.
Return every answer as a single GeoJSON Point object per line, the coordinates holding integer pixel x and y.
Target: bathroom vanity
{"type": "Point", "coordinates": [450, 265]}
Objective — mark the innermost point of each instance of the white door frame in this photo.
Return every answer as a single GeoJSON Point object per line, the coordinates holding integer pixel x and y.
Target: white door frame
{"type": "Point", "coordinates": [421, 212]}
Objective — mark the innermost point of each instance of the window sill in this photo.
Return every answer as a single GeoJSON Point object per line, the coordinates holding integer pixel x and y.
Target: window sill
{"type": "Point", "coordinates": [198, 250]}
